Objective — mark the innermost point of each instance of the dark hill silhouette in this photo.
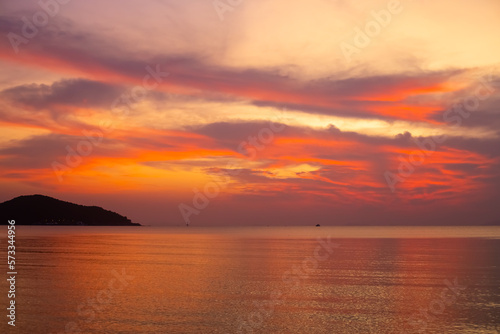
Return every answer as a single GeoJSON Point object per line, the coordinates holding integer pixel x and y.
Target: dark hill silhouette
{"type": "Point", "coordinates": [45, 210]}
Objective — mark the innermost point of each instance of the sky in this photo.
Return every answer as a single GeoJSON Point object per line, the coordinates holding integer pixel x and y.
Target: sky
{"type": "Point", "coordinates": [259, 112]}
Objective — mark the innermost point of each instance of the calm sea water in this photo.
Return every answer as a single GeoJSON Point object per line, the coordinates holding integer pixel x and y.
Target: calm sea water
{"type": "Point", "coordinates": [255, 280]}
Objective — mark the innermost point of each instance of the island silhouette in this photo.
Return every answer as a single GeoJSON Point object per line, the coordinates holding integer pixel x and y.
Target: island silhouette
{"type": "Point", "coordinates": [45, 210]}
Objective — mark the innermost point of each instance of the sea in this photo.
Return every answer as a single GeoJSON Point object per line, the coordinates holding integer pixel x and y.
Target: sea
{"type": "Point", "coordinates": [81, 279]}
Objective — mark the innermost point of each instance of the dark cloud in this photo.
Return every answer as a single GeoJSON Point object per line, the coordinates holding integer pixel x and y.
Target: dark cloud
{"type": "Point", "coordinates": [231, 134]}
{"type": "Point", "coordinates": [73, 92]}
{"type": "Point", "coordinates": [462, 167]}
{"type": "Point", "coordinates": [489, 147]}
{"type": "Point", "coordinates": [233, 131]}
{"type": "Point", "coordinates": [477, 105]}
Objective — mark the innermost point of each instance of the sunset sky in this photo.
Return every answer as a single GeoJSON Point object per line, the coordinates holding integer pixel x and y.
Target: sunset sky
{"type": "Point", "coordinates": [255, 112]}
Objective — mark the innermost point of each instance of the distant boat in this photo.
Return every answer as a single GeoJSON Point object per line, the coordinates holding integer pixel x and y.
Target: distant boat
{"type": "Point", "coordinates": [318, 225]}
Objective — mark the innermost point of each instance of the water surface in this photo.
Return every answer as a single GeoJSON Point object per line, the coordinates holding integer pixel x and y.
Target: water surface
{"type": "Point", "coordinates": [256, 280]}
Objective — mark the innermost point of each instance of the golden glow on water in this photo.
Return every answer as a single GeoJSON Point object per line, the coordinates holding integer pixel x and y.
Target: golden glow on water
{"type": "Point", "coordinates": [270, 280]}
